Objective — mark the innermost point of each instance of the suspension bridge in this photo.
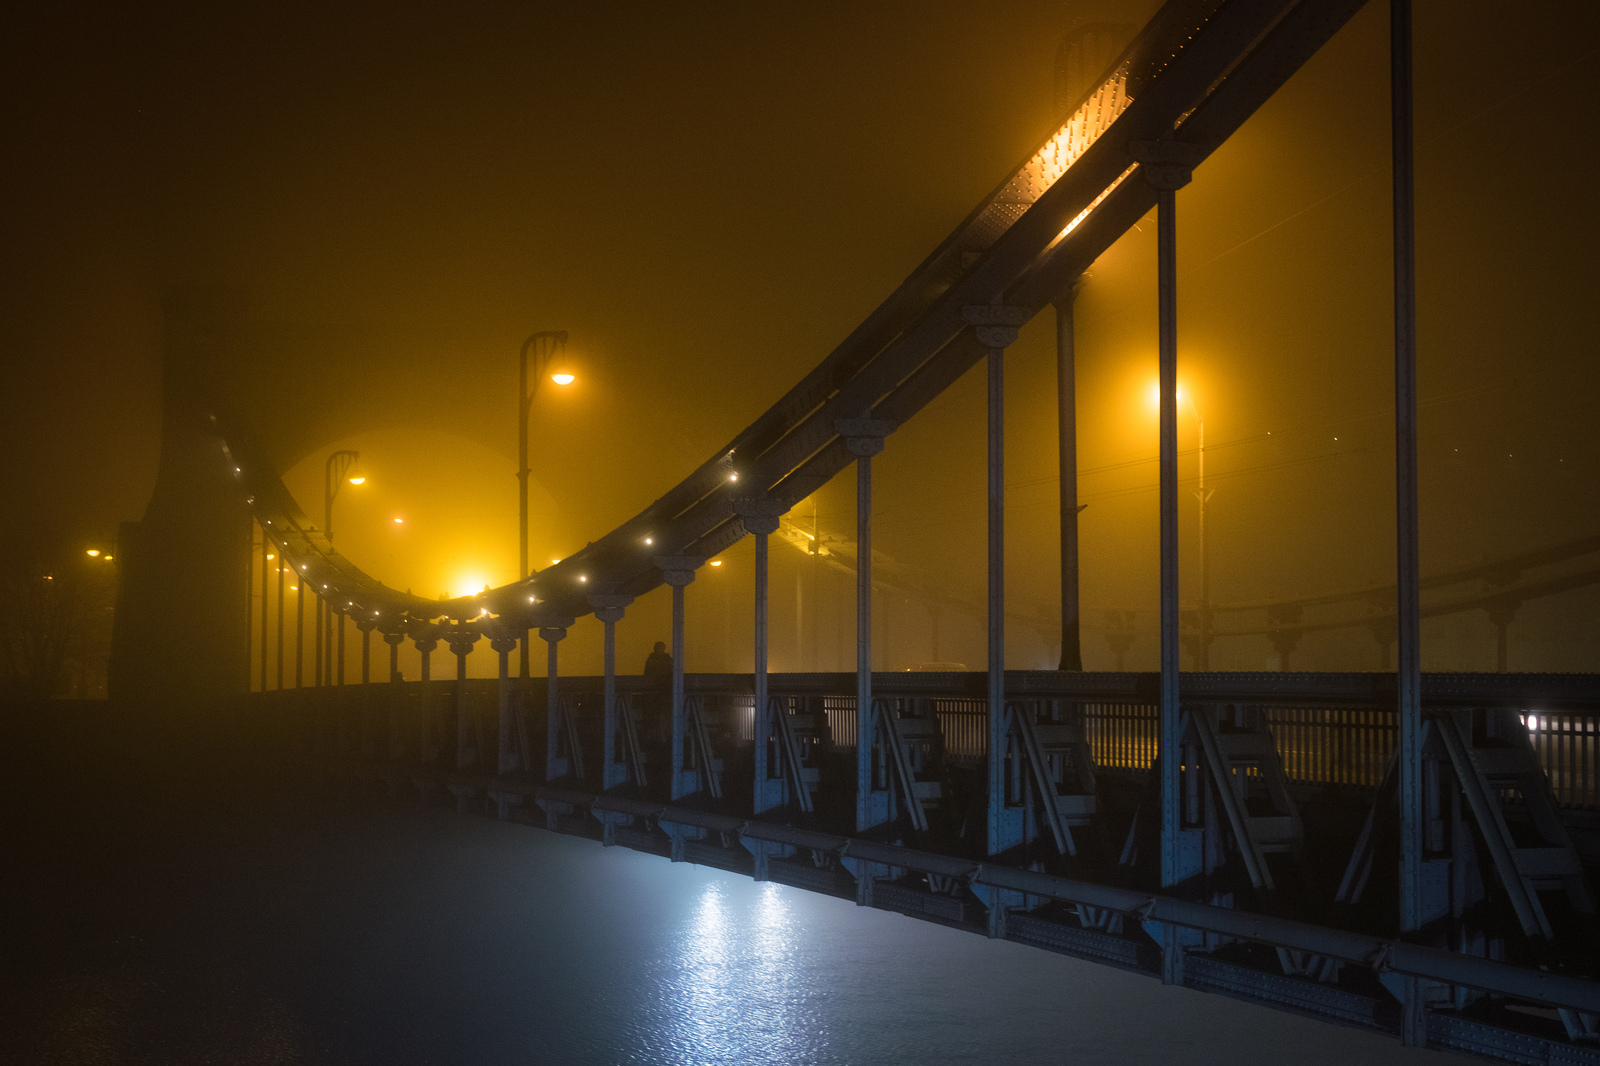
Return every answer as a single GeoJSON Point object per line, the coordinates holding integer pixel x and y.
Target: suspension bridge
{"type": "Point", "coordinates": [1404, 852]}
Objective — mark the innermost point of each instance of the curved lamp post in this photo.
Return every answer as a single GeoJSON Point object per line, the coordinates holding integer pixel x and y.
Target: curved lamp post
{"type": "Point", "coordinates": [546, 346]}
{"type": "Point", "coordinates": [333, 479]}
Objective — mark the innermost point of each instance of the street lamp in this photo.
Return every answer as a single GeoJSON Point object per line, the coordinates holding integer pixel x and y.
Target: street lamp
{"type": "Point", "coordinates": [334, 476]}
{"type": "Point", "coordinates": [333, 479]}
{"type": "Point", "coordinates": [1201, 494]}
{"type": "Point", "coordinates": [546, 346]}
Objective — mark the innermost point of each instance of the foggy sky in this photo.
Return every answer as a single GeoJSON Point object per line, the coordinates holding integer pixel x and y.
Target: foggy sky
{"type": "Point", "coordinates": [710, 196]}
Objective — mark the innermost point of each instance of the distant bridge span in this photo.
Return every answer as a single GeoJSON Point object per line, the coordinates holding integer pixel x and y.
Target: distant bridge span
{"type": "Point", "coordinates": [1192, 826]}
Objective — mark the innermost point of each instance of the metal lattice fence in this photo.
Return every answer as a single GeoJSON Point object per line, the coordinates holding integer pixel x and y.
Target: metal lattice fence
{"type": "Point", "coordinates": [1568, 746]}
{"type": "Point", "coordinates": [1319, 745]}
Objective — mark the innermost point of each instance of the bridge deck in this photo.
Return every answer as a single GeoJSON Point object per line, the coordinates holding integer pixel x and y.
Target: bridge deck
{"type": "Point", "coordinates": [1336, 730]}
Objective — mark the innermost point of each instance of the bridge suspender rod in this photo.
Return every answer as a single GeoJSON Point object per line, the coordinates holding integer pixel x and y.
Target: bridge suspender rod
{"type": "Point", "coordinates": [864, 708]}
{"type": "Point", "coordinates": [522, 482]}
{"type": "Point", "coordinates": [1413, 1025]}
{"type": "Point", "coordinates": [760, 516]}
{"type": "Point", "coordinates": [339, 668]}
{"type": "Point", "coordinates": [678, 571]}
{"type": "Point", "coordinates": [468, 749]}
{"type": "Point", "coordinates": [552, 702]}
{"type": "Point", "coordinates": [864, 438]}
{"type": "Point", "coordinates": [281, 559]}
{"type": "Point", "coordinates": [366, 653]}
{"type": "Point", "coordinates": [299, 629]}
{"type": "Point", "coordinates": [316, 637]}
{"type": "Point", "coordinates": [608, 608]}
{"type": "Point", "coordinates": [997, 593]}
{"type": "Point", "coordinates": [1166, 166]}
{"type": "Point", "coordinates": [1067, 433]}
{"type": "Point", "coordinates": [680, 723]}
{"type": "Point", "coordinates": [608, 618]}
{"type": "Point", "coordinates": [1167, 310]}
{"type": "Point", "coordinates": [250, 609]}
{"type": "Point", "coordinates": [266, 550]}
{"type": "Point", "coordinates": [996, 329]}
{"type": "Point", "coordinates": [762, 724]}
{"type": "Point", "coordinates": [507, 751]}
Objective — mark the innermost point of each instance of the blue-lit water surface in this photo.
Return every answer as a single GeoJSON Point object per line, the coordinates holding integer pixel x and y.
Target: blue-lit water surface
{"type": "Point", "coordinates": [325, 934]}
{"type": "Point", "coordinates": [504, 944]}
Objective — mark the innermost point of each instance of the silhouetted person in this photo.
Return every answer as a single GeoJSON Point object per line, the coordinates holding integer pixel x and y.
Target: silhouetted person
{"type": "Point", "coordinates": [658, 667]}
{"type": "Point", "coordinates": [658, 704]}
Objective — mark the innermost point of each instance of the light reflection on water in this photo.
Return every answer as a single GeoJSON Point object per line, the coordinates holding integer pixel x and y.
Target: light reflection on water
{"type": "Point", "coordinates": [393, 936]}
{"type": "Point", "coordinates": [732, 987]}
{"type": "Point", "coordinates": [721, 971]}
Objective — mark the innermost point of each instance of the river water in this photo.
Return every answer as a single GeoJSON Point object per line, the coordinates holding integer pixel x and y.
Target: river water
{"type": "Point", "coordinates": [300, 931]}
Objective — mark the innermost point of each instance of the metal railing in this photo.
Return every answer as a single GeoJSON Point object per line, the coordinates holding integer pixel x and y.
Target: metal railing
{"type": "Point", "coordinates": [1338, 743]}
{"type": "Point", "coordinates": [1343, 742]}
{"type": "Point", "coordinates": [1568, 746]}
{"type": "Point", "coordinates": [1334, 745]}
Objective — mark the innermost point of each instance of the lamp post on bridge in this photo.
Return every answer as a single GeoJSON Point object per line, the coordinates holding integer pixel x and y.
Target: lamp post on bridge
{"type": "Point", "coordinates": [334, 476]}
{"type": "Point", "coordinates": [1202, 494]}
{"type": "Point", "coordinates": [546, 346]}
{"type": "Point", "coordinates": [333, 479]}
